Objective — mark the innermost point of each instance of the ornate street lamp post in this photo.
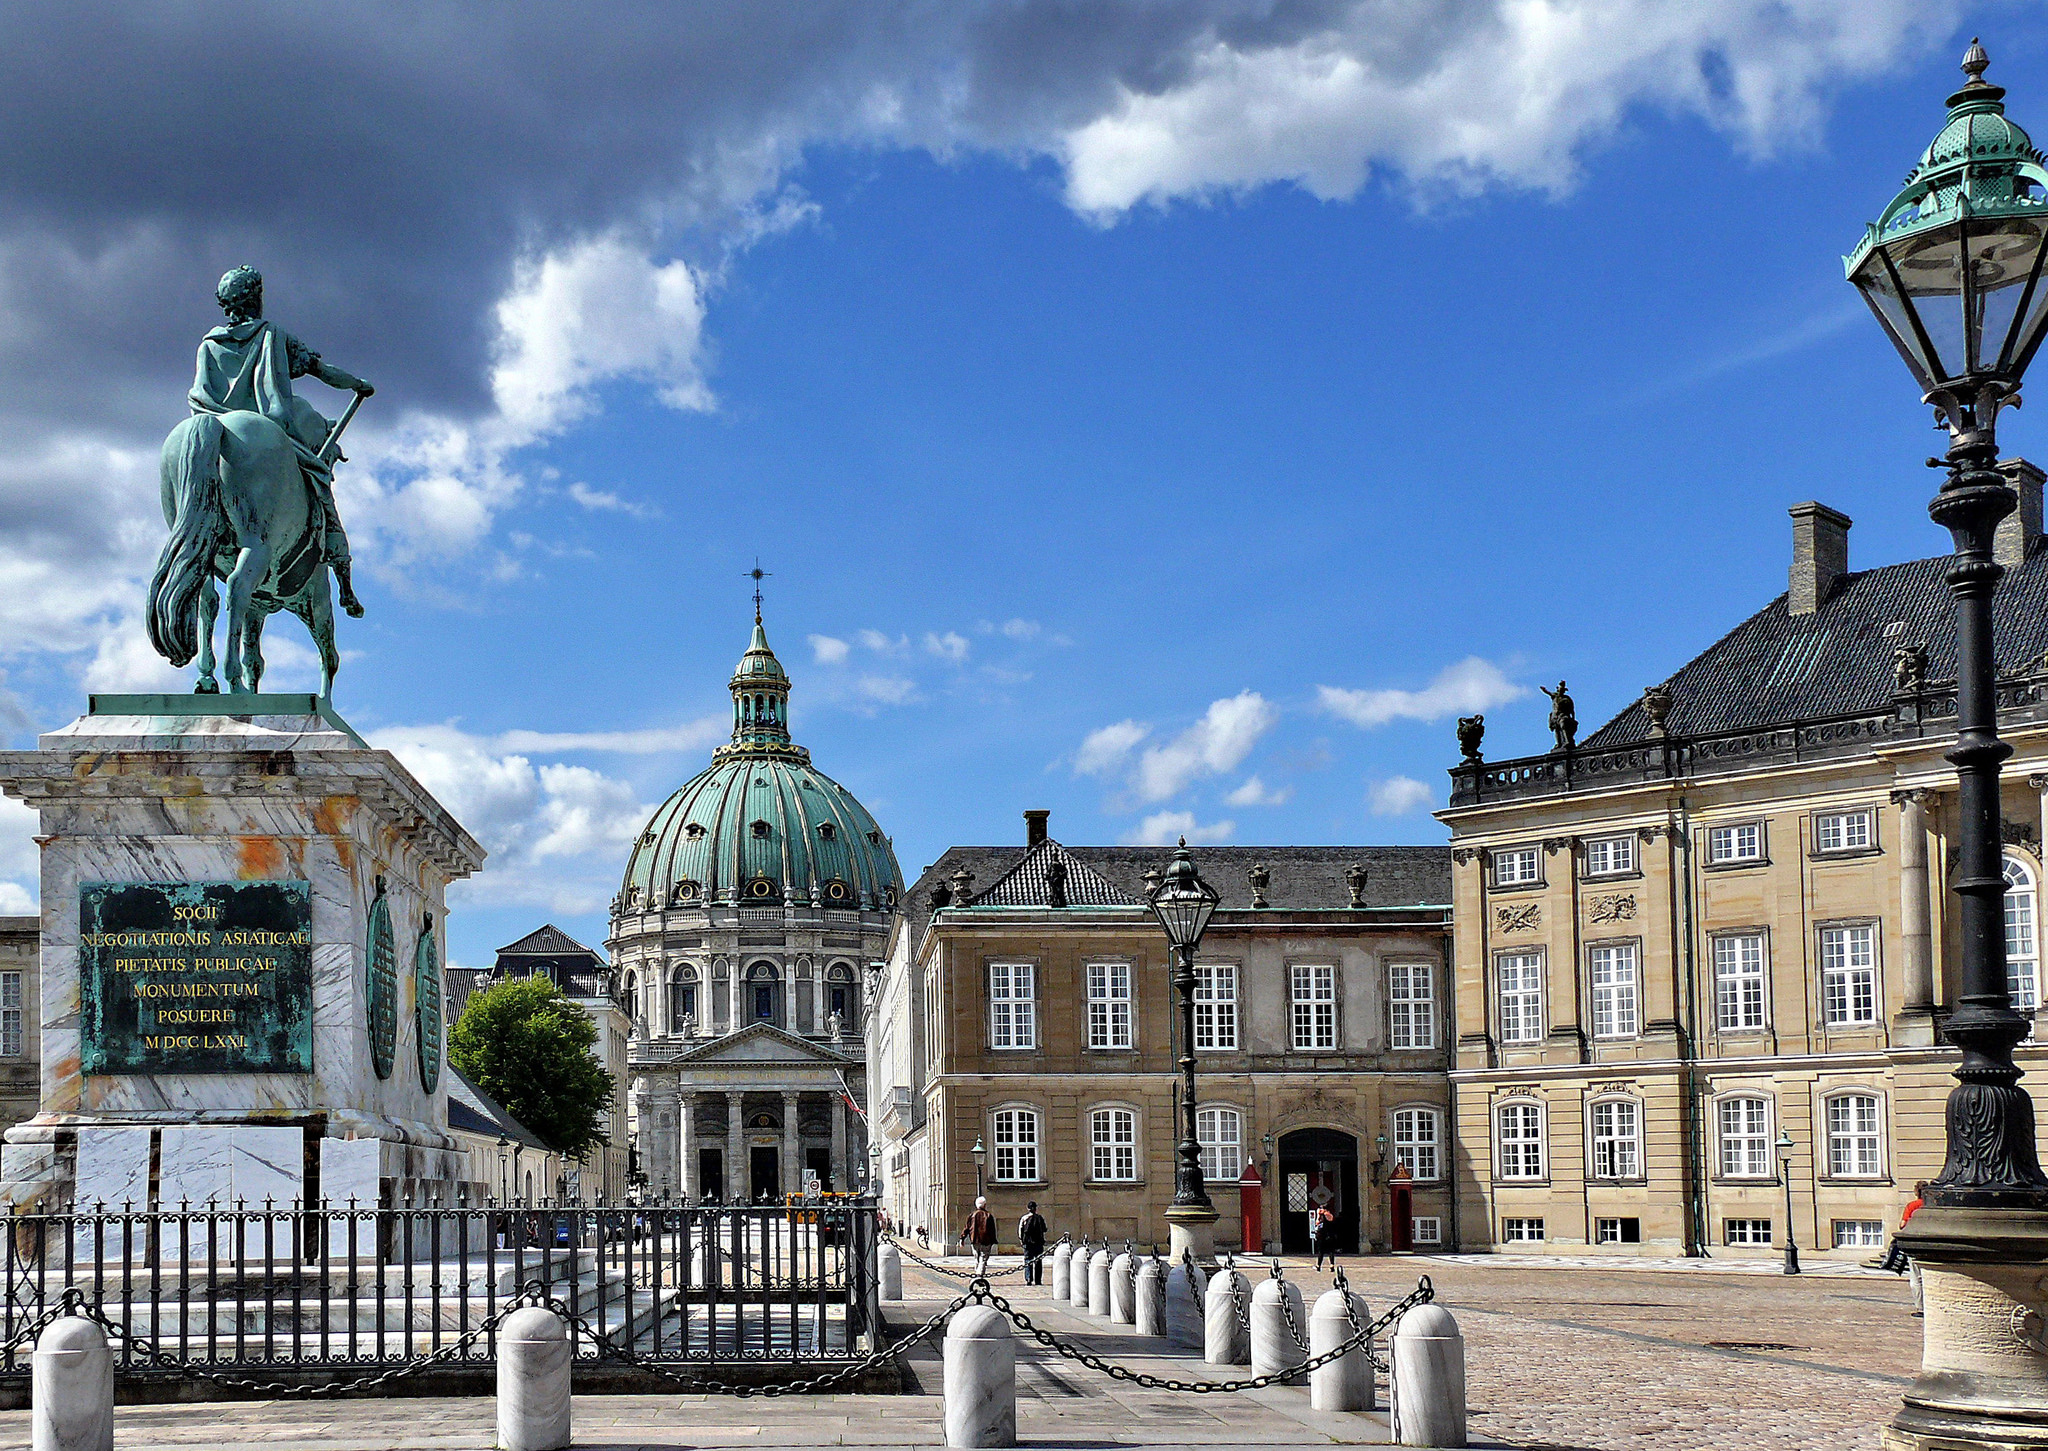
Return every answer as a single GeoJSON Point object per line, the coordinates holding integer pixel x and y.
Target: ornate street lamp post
{"type": "Point", "coordinates": [1184, 903]}
{"type": "Point", "coordinates": [1785, 1148]}
{"type": "Point", "coordinates": [1953, 270]}
{"type": "Point", "coordinates": [980, 1161]}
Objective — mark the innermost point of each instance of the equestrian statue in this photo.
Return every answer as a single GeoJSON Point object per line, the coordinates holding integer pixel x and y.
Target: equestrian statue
{"type": "Point", "coordinates": [248, 492]}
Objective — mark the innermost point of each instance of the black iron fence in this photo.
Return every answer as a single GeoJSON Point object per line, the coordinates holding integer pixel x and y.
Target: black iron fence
{"type": "Point", "coordinates": [338, 1286]}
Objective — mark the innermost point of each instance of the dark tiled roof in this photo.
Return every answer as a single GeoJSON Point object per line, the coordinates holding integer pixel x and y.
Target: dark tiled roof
{"type": "Point", "coordinates": [546, 941]}
{"type": "Point", "coordinates": [460, 983]}
{"type": "Point", "coordinates": [474, 1111]}
{"type": "Point", "coordinates": [1775, 668]}
{"type": "Point", "coordinates": [1029, 884]}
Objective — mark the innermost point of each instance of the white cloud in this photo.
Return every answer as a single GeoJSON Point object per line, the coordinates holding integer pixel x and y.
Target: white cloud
{"type": "Point", "coordinates": [584, 812]}
{"type": "Point", "coordinates": [949, 646]}
{"type": "Point", "coordinates": [1255, 792]}
{"type": "Point", "coordinates": [690, 736]}
{"type": "Point", "coordinates": [1166, 827]}
{"type": "Point", "coordinates": [1106, 749]}
{"type": "Point", "coordinates": [604, 501]}
{"type": "Point", "coordinates": [1471, 684]}
{"type": "Point", "coordinates": [1399, 796]}
{"type": "Point", "coordinates": [886, 689]}
{"type": "Point", "coordinates": [881, 644]}
{"type": "Point", "coordinates": [15, 900]}
{"type": "Point", "coordinates": [1217, 742]}
{"type": "Point", "coordinates": [828, 651]}
{"type": "Point", "coordinates": [1020, 629]}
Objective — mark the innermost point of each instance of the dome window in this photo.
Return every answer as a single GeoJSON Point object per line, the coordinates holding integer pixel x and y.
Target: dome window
{"type": "Point", "coordinates": [647, 837]}
{"type": "Point", "coordinates": [762, 889]}
{"type": "Point", "coordinates": [838, 893]}
{"type": "Point", "coordinates": [684, 890]}
{"type": "Point", "coordinates": [827, 830]}
{"type": "Point", "coordinates": [875, 838]}
{"type": "Point", "coordinates": [762, 828]}
{"type": "Point", "coordinates": [694, 830]}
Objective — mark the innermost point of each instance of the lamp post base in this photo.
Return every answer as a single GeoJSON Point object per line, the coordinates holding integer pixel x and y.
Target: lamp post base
{"type": "Point", "coordinates": [1983, 1383]}
{"type": "Point", "coordinates": [1191, 1229]}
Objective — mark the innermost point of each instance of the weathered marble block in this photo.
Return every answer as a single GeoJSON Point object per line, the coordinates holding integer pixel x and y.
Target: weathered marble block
{"type": "Point", "coordinates": [351, 1174]}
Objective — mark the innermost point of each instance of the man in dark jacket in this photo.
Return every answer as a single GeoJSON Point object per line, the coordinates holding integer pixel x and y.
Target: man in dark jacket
{"type": "Point", "coordinates": [1031, 1238]}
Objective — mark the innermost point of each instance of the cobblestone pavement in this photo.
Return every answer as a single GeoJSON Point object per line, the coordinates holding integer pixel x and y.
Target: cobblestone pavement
{"type": "Point", "coordinates": [1560, 1359]}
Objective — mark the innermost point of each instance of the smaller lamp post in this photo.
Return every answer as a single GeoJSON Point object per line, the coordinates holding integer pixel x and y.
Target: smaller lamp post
{"type": "Point", "coordinates": [875, 1170]}
{"type": "Point", "coordinates": [980, 1160]}
{"type": "Point", "coordinates": [1785, 1147]}
{"type": "Point", "coordinates": [1184, 903]}
{"type": "Point", "coordinates": [504, 1193]}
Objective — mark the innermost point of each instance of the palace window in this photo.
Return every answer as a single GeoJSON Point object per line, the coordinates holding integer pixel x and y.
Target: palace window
{"type": "Point", "coordinates": [1411, 1005]}
{"type": "Point", "coordinates": [1614, 990]}
{"type": "Point", "coordinates": [1012, 1005]}
{"type": "Point", "coordinates": [1016, 1136]}
{"type": "Point", "coordinates": [1315, 1006]}
{"type": "Point", "coordinates": [1618, 1230]}
{"type": "Point", "coordinates": [1739, 981]}
{"type": "Point", "coordinates": [1617, 1139]}
{"type": "Point", "coordinates": [1744, 1125]}
{"type": "Point", "coordinates": [1109, 1005]}
{"type": "Point", "coordinates": [1516, 867]}
{"type": "Point", "coordinates": [1428, 1229]}
{"type": "Point", "coordinates": [1521, 1230]}
{"type": "Point", "coordinates": [1855, 1136]}
{"type": "Point", "coordinates": [1220, 1131]}
{"type": "Point", "coordinates": [1215, 1007]}
{"type": "Point", "coordinates": [1519, 1131]}
{"type": "Point", "coordinates": [1521, 996]}
{"type": "Point", "coordinates": [1740, 843]}
{"type": "Point", "coordinates": [2022, 935]}
{"type": "Point", "coordinates": [1610, 856]}
{"type": "Point", "coordinates": [1843, 831]}
{"type": "Point", "coordinates": [10, 1014]}
{"type": "Point", "coordinates": [1848, 975]}
{"type": "Point", "coordinates": [1859, 1234]}
{"type": "Point", "coordinates": [682, 999]}
{"type": "Point", "coordinates": [1746, 1231]}
{"type": "Point", "coordinates": [1416, 1137]}
{"type": "Point", "coordinates": [1113, 1135]}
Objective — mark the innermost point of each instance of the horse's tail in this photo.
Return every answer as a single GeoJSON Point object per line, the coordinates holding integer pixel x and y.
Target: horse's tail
{"type": "Point", "coordinates": [191, 485]}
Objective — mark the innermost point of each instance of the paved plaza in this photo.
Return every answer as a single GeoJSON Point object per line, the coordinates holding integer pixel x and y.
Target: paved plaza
{"type": "Point", "coordinates": [1593, 1359]}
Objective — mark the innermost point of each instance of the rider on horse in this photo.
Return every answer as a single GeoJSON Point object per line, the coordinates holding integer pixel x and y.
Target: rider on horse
{"type": "Point", "coordinates": [248, 364]}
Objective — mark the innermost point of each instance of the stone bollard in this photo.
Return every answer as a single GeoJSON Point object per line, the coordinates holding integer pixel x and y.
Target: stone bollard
{"type": "Point", "coordinates": [1185, 1285]}
{"type": "Point", "coordinates": [1345, 1384]}
{"type": "Point", "coordinates": [1098, 1282]}
{"type": "Point", "coordinates": [1078, 1269]}
{"type": "Point", "coordinates": [981, 1379]}
{"type": "Point", "coordinates": [1151, 1298]}
{"type": "Point", "coordinates": [1275, 1304]}
{"type": "Point", "coordinates": [1123, 1288]}
{"type": "Point", "coordinates": [1224, 1338]}
{"type": "Point", "coordinates": [889, 1269]}
{"type": "Point", "coordinates": [1063, 1270]}
{"type": "Point", "coordinates": [1429, 1379]}
{"type": "Point", "coordinates": [534, 1356]}
{"type": "Point", "coordinates": [72, 1388]}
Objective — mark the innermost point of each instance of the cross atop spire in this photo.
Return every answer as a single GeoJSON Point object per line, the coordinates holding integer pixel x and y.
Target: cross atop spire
{"type": "Point", "coordinates": [757, 574]}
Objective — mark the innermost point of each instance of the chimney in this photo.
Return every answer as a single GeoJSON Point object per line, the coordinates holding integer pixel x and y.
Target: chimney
{"type": "Point", "coordinates": [1820, 556]}
{"type": "Point", "coordinates": [2018, 531]}
{"type": "Point", "coordinates": [1034, 821]}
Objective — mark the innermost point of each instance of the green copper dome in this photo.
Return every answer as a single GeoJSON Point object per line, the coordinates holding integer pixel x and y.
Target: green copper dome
{"type": "Point", "coordinates": [762, 825]}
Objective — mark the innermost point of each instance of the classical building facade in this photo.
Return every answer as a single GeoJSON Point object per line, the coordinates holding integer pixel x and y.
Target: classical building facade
{"type": "Point", "coordinates": [21, 1037]}
{"type": "Point", "coordinates": [750, 906]}
{"type": "Point", "coordinates": [1720, 925]}
{"type": "Point", "coordinates": [1025, 1008]}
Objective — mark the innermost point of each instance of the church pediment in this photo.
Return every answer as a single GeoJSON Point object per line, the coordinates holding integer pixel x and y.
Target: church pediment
{"type": "Point", "coordinates": [763, 1043]}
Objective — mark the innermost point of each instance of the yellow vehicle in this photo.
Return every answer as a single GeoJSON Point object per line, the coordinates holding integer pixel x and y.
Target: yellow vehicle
{"type": "Point", "coordinates": [803, 1209]}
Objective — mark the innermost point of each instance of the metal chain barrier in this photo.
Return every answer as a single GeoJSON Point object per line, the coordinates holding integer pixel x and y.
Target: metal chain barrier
{"type": "Point", "coordinates": [967, 1275]}
{"type": "Point", "coordinates": [1287, 1314]}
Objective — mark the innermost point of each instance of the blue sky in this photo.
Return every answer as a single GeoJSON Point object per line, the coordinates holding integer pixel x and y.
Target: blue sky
{"type": "Point", "coordinates": [1193, 483]}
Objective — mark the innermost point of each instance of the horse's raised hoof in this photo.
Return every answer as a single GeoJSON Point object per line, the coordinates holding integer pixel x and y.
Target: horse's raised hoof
{"type": "Point", "coordinates": [354, 608]}
{"type": "Point", "coordinates": [207, 687]}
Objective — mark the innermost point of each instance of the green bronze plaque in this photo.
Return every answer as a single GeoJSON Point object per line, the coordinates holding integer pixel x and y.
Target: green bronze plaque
{"type": "Point", "coordinates": [195, 977]}
{"type": "Point", "coordinates": [383, 965]}
{"type": "Point", "coordinates": [426, 965]}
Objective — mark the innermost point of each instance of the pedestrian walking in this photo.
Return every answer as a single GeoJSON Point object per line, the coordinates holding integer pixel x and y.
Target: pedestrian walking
{"type": "Point", "coordinates": [1321, 1235]}
{"type": "Point", "coordinates": [1031, 1240]}
{"type": "Point", "coordinates": [1896, 1258]}
{"type": "Point", "coordinates": [980, 1236]}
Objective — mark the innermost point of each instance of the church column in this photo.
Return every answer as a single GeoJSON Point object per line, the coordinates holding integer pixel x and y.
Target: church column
{"type": "Point", "coordinates": [657, 1011]}
{"type": "Point", "coordinates": [686, 1145]}
{"type": "Point", "coordinates": [792, 1156]}
{"type": "Point", "coordinates": [842, 1172]}
{"type": "Point", "coordinates": [1916, 935]}
{"type": "Point", "coordinates": [735, 1150]}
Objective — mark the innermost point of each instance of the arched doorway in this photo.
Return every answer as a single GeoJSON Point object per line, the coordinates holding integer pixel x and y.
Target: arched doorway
{"type": "Point", "coordinates": [1318, 1167]}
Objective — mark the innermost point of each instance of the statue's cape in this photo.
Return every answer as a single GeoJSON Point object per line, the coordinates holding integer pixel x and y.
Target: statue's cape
{"type": "Point", "coordinates": [246, 367]}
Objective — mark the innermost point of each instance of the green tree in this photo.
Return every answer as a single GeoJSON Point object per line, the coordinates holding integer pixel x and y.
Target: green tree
{"type": "Point", "coordinates": [528, 1047]}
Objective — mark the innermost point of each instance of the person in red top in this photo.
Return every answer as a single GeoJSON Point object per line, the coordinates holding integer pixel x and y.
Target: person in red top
{"type": "Point", "coordinates": [980, 1235]}
{"type": "Point", "coordinates": [1913, 1206]}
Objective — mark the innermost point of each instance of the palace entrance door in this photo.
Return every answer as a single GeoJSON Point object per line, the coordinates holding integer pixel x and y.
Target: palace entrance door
{"type": "Point", "coordinates": [1318, 1167]}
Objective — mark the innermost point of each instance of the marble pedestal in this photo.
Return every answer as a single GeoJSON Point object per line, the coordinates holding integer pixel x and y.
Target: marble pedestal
{"type": "Point", "coordinates": [175, 790]}
{"type": "Point", "coordinates": [1191, 1229]}
{"type": "Point", "coordinates": [1983, 1379]}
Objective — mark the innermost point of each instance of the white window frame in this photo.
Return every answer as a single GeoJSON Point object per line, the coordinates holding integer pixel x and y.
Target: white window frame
{"type": "Point", "coordinates": [1736, 842]}
{"type": "Point", "coordinates": [13, 1013]}
{"type": "Point", "coordinates": [1849, 988]}
{"type": "Point", "coordinates": [1610, 856]}
{"type": "Point", "coordinates": [1012, 1006]}
{"type": "Point", "coordinates": [1411, 1005]}
{"type": "Point", "coordinates": [1526, 972]}
{"type": "Point", "coordinates": [1016, 1131]}
{"type": "Point", "coordinates": [1615, 971]}
{"type": "Point", "coordinates": [1215, 1007]}
{"type": "Point", "coordinates": [1615, 1127]}
{"type": "Point", "coordinates": [1113, 1144]}
{"type": "Point", "coordinates": [1742, 965]}
{"type": "Point", "coordinates": [1755, 1233]}
{"type": "Point", "coordinates": [1520, 1155]}
{"type": "Point", "coordinates": [1862, 1233]}
{"type": "Point", "coordinates": [1522, 1229]}
{"type": "Point", "coordinates": [1855, 1142]}
{"type": "Point", "coordinates": [1312, 1006]}
{"type": "Point", "coordinates": [1836, 833]}
{"type": "Point", "coordinates": [1418, 1141]}
{"type": "Point", "coordinates": [1426, 1229]}
{"type": "Point", "coordinates": [1219, 1129]}
{"type": "Point", "coordinates": [1751, 1139]}
{"type": "Point", "coordinates": [1109, 1006]}
{"type": "Point", "coordinates": [1516, 866]}
{"type": "Point", "coordinates": [2022, 933]}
